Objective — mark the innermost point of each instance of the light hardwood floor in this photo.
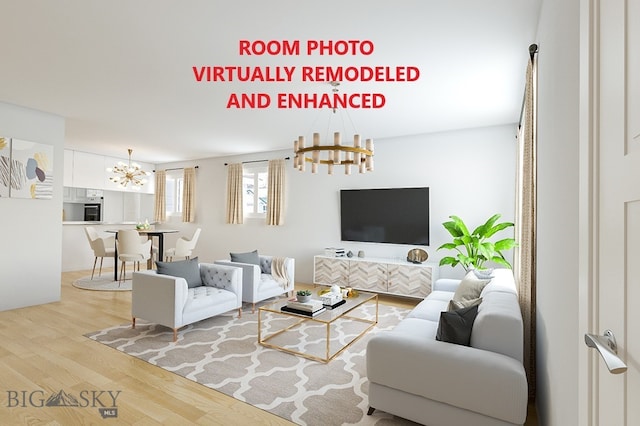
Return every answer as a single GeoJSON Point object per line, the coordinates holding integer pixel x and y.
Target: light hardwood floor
{"type": "Point", "coordinates": [44, 351]}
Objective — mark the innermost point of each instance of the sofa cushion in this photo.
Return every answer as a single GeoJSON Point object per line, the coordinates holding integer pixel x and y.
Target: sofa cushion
{"type": "Point", "coordinates": [498, 326]}
{"type": "Point", "coordinates": [455, 326]}
{"type": "Point", "coordinates": [187, 269]}
{"type": "Point", "coordinates": [470, 287]}
{"type": "Point", "coordinates": [251, 257]}
{"type": "Point", "coordinates": [429, 309]}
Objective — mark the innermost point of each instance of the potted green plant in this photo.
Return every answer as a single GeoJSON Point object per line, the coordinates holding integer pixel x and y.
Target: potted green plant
{"type": "Point", "coordinates": [474, 248]}
{"type": "Point", "coordinates": [303, 295]}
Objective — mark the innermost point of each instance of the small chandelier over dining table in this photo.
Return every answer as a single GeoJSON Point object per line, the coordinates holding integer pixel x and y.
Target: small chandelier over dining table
{"type": "Point", "coordinates": [130, 173]}
{"type": "Point", "coordinates": [356, 155]}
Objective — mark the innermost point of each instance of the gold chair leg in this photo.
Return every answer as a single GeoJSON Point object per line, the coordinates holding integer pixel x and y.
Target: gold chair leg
{"type": "Point", "coordinates": [253, 308]}
{"type": "Point", "coordinates": [133, 322]}
{"type": "Point", "coordinates": [175, 334]}
{"type": "Point", "coordinates": [100, 273]}
{"type": "Point", "coordinates": [240, 312]}
{"type": "Point", "coordinates": [94, 266]}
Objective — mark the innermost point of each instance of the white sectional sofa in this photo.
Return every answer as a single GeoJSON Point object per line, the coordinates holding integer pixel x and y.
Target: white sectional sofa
{"type": "Point", "coordinates": [415, 376]}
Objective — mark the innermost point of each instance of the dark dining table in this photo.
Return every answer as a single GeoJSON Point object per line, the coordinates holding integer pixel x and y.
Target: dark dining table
{"type": "Point", "coordinates": [150, 233]}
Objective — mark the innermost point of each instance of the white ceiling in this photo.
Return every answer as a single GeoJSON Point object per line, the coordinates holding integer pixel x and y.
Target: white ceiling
{"type": "Point", "coordinates": [120, 71]}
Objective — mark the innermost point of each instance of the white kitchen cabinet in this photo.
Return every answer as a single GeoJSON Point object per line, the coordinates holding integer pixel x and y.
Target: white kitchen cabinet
{"type": "Point", "coordinates": [88, 170]}
{"type": "Point", "coordinates": [67, 173]}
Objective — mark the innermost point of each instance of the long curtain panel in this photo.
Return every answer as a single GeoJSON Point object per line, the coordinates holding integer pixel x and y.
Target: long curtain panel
{"type": "Point", "coordinates": [189, 195]}
{"type": "Point", "coordinates": [234, 194]}
{"type": "Point", "coordinates": [275, 193]}
{"type": "Point", "coordinates": [160, 207]}
{"type": "Point", "coordinates": [525, 254]}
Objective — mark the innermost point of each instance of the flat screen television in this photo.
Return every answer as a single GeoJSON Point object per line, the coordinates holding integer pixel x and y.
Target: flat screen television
{"type": "Point", "coordinates": [385, 215]}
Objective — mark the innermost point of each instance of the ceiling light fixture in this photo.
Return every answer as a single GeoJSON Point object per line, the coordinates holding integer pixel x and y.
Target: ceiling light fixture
{"type": "Point", "coordinates": [338, 154]}
{"type": "Point", "coordinates": [128, 173]}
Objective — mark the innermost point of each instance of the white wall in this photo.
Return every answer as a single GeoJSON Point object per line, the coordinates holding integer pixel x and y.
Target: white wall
{"type": "Point", "coordinates": [31, 230]}
{"type": "Point", "coordinates": [470, 174]}
{"type": "Point", "coordinates": [557, 275]}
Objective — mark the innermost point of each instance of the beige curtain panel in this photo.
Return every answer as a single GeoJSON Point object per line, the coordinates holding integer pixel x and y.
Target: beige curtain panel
{"type": "Point", "coordinates": [524, 264]}
{"type": "Point", "coordinates": [160, 208]}
{"type": "Point", "coordinates": [234, 194]}
{"type": "Point", "coordinates": [275, 193]}
{"type": "Point", "coordinates": [189, 195]}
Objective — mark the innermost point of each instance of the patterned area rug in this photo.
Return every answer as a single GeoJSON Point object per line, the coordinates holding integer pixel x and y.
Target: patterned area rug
{"type": "Point", "coordinates": [103, 283]}
{"type": "Point", "coordinates": [222, 353]}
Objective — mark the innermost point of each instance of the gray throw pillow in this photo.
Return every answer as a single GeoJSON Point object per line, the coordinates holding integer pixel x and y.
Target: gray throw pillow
{"type": "Point", "coordinates": [459, 304]}
{"type": "Point", "coordinates": [483, 274]}
{"type": "Point", "coordinates": [187, 269]}
{"type": "Point", "coordinates": [470, 287]}
{"type": "Point", "coordinates": [251, 257]}
{"type": "Point", "coordinates": [456, 326]}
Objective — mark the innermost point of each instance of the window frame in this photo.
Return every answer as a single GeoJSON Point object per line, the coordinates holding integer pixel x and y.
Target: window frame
{"type": "Point", "coordinates": [177, 176]}
{"type": "Point", "coordinates": [256, 170]}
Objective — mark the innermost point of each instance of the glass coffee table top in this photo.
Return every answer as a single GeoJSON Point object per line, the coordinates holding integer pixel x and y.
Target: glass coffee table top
{"type": "Point", "coordinates": [321, 337]}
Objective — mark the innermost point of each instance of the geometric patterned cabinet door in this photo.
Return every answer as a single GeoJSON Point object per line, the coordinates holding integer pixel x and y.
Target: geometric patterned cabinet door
{"type": "Point", "coordinates": [409, 280]}
{"type": "Point", "coordinates": [368, 275]}
{"type": "Point", "coordinates": [330, 270]}
{"type": "Point", "coordinates": [376, 274]}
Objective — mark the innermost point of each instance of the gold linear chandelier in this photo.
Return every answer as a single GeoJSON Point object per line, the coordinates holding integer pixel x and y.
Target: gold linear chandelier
{"type": "Point", "coordinates": [130, 173]}
{"type": "Point", "coordinates": [338, 154]}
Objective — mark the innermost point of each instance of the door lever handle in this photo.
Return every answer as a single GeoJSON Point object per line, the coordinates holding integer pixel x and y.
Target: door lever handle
{"type": "Point", "coordinates": [608, 350]}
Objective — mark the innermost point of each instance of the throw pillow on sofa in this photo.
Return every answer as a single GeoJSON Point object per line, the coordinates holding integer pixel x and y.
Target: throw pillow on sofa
{"type": "Point", "coordinates": [483, 274]}
{"type": "Point", "coordinates": [455, 326]}
{"type": "Point", "coordinates": [470, 287]}
{"type": "Point", "coordinates": [187, 269]}
{"type": "Point", "coordinates": [466, 303]}
{"type": "Point", "coordinates": [251, 257]}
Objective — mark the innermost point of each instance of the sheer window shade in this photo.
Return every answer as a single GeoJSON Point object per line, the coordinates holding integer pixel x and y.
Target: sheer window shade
{"type": "Point", "coordinates": [234, 194]}
{"type": "Point", "coordinates": [524, 264]}
{"type": "Point", "coordinates": [189, 195]}
{"type": "Point", "coordinates": [275, 193]}
{"type": "Point", "coordinates": [160, 207]}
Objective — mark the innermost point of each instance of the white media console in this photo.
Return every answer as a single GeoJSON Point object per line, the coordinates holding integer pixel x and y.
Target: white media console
{"type": "Point", "coordinates": [378, 275]}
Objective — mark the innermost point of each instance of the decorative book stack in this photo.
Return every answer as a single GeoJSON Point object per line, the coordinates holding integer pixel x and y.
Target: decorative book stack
{"type": "Point", "coordinates": [332, 300]}
{"type": "Point", "coordinates": [310, 308]}
{"type": "Point", "coordinates": [334, 252]}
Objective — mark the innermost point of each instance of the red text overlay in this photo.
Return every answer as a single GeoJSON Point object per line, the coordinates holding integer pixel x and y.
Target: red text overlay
{"type": "Point", "coordinates": [321, 73]}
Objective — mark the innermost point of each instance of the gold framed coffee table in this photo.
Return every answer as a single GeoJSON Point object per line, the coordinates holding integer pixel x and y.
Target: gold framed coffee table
{"type": "Point", "coordinates": [287, 327]}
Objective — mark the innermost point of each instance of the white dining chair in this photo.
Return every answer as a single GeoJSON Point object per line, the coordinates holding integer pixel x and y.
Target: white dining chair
{"type": "Point", "coordinates": [101, 246]}
{"type": "Point", "coordinates": [131, 249]}
{"type": "Point", "coordinates": [184, 247]}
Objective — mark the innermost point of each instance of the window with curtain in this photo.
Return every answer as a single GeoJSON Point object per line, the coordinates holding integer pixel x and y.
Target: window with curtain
{"type": "Point", "coordinates": [173, 192]}
{"type": "Point", "coordinates": [254, 190]}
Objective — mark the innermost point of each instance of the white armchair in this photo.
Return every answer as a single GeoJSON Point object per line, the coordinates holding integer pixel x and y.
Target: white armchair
{"type": "Point", "coordinates": [168, 300]}
{"type": "Point", "coordinates": [260, 282]}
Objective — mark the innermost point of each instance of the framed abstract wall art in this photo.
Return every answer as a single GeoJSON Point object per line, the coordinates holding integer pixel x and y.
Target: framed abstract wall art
{"type": "Point", "coordinates": [5, 161]}
{"type": "Point", "coordinates": [31, 171]}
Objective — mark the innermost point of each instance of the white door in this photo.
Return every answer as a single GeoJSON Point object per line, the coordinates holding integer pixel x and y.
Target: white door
{"type": "Point", "coordinates": [610, 179]}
